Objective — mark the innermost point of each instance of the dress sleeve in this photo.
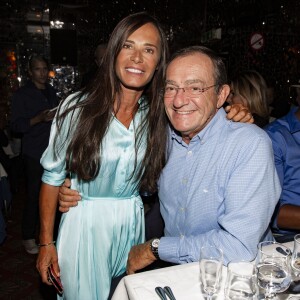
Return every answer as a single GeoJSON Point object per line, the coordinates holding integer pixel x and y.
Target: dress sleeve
{"type": "Point", "coordinates": [54, 158]}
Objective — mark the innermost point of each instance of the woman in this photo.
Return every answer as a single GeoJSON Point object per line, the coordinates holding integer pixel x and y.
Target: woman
{"type": "Point", "coordinates": [250, 89]}
{"type": "Point", "coordinates": [110, 138]}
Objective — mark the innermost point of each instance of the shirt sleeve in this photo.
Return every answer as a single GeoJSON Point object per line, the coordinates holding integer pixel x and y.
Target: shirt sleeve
{"type": "Point", "coordinates": [250, 195]}
{"type": "Point", "coordinates": [54, 158]}
{"type": "Point", "coordinates": [279, 148]}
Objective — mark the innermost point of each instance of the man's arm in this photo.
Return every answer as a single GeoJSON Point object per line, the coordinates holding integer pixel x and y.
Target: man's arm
{"type": "Point", "coordinates": [289, 217]}
{"type": "Point", "coordinates": [22, 123]}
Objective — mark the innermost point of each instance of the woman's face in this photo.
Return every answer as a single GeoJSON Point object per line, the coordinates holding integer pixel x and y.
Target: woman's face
{"type": "Point", "coordinates": [139, 57]}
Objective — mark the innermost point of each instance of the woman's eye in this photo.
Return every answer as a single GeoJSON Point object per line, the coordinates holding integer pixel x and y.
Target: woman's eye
{"type": "Point", "coordinates": [149, 50]}
{"type": "Point", "coordinates": [127, 46]}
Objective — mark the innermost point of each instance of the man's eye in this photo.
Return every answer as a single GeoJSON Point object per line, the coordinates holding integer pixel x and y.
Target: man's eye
{"type": "Point", "coordinates": [195, 89]}
{"type": "Point", "coordinates": [169, 89]}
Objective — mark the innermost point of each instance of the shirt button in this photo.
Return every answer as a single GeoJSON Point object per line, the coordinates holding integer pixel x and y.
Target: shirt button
{"type": "Point", "coordinates": [190, 153]}
{"type": "Point", "coordinates": [182, 236]}
{"type": "Point", "coordinates": [184, 181]}
{"type": "Point", "coordinates": [182, 209]}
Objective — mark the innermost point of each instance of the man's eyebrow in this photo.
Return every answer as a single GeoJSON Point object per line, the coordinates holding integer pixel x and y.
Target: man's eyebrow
{"type": "Point", "coordinates": [190, 81]}
{"type": "Point", "coordinates": [171, 82]}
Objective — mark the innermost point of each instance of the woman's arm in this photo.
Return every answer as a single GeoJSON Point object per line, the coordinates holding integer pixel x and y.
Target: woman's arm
{"type": "Point", "coordinates": [47, 253]}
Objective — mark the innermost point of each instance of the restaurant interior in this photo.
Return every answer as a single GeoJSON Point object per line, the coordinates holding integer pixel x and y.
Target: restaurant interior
{"type": "Point", "coordinates": [248, 34]}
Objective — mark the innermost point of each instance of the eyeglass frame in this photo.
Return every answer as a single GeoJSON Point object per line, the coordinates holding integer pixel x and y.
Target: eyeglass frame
{"type": "Point", "coordinates": [201, 90]}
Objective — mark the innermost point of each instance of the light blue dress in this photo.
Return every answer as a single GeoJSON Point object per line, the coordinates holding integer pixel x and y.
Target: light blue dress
{"type": "Point", "coordinates": [95, 237]}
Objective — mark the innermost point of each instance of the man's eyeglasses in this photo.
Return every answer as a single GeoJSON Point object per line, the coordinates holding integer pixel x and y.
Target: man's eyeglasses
{"type": "Point", "coordinates": [190, 91]}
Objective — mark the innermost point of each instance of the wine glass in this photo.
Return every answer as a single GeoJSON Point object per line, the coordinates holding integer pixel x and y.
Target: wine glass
{"type": "Point", "coordinates": [296, 256]}
{"type": "Point", "coordinates": [241, 281]}
{"type": "Point", "coordinates": [211, 261]}
{"type": "Point", "coordinates": [273, 268]}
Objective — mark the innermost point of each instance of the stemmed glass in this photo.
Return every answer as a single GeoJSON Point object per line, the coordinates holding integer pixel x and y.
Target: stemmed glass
{"type": "Point", "coordinates": [211, 261]}
{"type": "Point", "coordinates": [296, 256]}
{"type": "Point", "coordinates": [273, 268]}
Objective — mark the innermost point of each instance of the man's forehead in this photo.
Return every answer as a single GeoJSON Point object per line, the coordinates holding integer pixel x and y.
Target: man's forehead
{"type": "Point", "coordinates": [194, 66]}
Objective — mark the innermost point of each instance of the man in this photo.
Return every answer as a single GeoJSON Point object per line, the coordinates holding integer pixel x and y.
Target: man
{"type": "Point", "coordinates": [219, 185]}
{"type": "Point", "coordinates": [32, 113]}
{"type": "Point", "coordinates": [91, 74]}
{"type": "Point", "coordinates": [285, 136]}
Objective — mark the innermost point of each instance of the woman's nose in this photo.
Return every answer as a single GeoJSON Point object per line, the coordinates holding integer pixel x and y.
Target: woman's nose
{"type": "Point", "coordinates": [137, 57]}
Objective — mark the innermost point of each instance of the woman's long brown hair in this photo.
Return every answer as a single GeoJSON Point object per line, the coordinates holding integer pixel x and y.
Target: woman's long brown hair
{"type": "Point", "coordinates": [96, 102]}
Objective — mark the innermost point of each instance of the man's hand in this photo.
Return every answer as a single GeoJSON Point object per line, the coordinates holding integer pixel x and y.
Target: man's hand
{"type": "Point", "coordinates": [239, 113]}
{"type": "Point", "coordinates": [140, 256]}
{"type": "Point", "coordinates": [44, 116]}
{"type": "Point", "coordinates": [67, 197]}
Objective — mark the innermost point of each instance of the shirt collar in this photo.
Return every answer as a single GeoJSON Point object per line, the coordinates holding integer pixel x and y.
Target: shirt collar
{"type": "Point", "coordinates": [210, 129]}
{"type": "Point", "coordinates": [293, 121]}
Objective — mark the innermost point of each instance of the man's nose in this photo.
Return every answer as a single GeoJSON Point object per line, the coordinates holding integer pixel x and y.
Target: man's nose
{"type": "Point", "coordinates": [180, 98]}
{"type": "Point", "coordinates": [137, 56]}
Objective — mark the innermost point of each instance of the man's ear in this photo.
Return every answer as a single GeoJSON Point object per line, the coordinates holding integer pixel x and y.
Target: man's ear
{"type": "Point", "coordinates": [223, 94]}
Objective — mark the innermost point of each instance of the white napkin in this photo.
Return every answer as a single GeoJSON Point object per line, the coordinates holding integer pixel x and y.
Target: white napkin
{"type": "Point", "coordinates": [184, 281]}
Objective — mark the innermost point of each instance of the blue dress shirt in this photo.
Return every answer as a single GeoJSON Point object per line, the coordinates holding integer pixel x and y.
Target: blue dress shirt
{"type": "Point", "coordinates": [220, 189]}
{"type": "Point", "coordinates": [285, 136]}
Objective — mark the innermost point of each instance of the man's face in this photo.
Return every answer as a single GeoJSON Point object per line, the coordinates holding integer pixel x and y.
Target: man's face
{"type": "Point", "coordinates": [39, 73]}
{"type": "Point", "coordinates": [189, 114]}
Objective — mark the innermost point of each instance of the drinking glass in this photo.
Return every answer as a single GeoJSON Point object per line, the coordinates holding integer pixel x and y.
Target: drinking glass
{"type": "Point", "coordinates": [273, 268]}
{"type": "Point", "coordinates": [296, 256]}
{"type": "Point", "coordinates": [241, 281]}
{"type": "Point", "coordinates": [211, 261]}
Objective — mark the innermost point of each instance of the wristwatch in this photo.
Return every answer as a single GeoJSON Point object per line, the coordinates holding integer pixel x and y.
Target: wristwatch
{"type": "Point", "coordinates": [154, 247]}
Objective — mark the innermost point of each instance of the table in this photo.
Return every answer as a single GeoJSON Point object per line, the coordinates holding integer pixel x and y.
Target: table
{"type": "Point", "coordinates": [184, 281]}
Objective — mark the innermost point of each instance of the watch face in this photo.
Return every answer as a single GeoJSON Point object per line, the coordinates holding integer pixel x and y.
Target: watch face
{"type": "Point", "coordinates": [155, 243]}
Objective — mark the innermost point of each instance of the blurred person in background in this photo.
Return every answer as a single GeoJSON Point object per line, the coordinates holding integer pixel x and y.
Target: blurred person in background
{"type": "Point", "coordinates": [91, 74]}
{"type": "Point", "coordinates": [32, 113]}
{"type": "Point", "coordinates": [250, 89]}
{"type": "Point", "coordinates": [285, 136]}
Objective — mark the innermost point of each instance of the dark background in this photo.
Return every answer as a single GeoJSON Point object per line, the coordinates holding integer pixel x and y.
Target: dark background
{"type": "Point", "coordinates": [25, 28]}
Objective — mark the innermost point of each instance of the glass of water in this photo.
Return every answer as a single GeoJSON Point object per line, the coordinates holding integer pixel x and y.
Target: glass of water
{"type": "Point", "coordinates": [273, 268]}
{"type": "Point", "coordinates": [211, 262]}
{"type": "Point", "coordinates": [296, 256]}
{"type": "Point", "coordinates": [241, 281]}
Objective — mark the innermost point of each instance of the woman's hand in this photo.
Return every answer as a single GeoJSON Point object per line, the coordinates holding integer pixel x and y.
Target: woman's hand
{"type": "Point", "coordinates": [47, 256]}
{"type": "Point", "coordinates": [239, 113]}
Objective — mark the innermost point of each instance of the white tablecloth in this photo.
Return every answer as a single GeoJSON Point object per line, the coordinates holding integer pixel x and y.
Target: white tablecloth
{"type": "Point", "coordinates": [184, 280]}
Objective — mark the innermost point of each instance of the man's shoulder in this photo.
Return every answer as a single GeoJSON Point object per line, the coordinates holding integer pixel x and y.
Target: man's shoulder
{"type": "Point", "coordinates": [279, 126]}
{"type": "Point", "coordinates": [246, 131]}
